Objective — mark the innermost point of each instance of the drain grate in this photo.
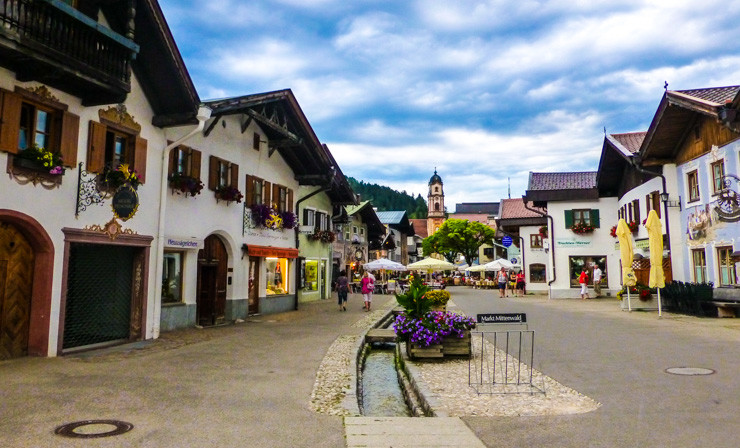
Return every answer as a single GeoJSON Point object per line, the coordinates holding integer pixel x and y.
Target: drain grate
{"type": "Point", "coordinates": [93, 429]}
{"type": "Point", "coordinates": [690, 371]}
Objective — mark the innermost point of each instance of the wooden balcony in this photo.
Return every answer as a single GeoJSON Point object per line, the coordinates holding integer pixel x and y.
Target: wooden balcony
{"type": "Point", "coordinates": [52, 43]}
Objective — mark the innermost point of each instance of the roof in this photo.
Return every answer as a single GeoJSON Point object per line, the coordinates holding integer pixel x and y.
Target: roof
{"type": "Point", "coordinates": [630, 142]}
{"type": "Point", "coordinates": [479, 208]}
{"type": "Point", "coordinates": [716, 95]}
{"type": "Point", "coordinates": [397, 220]}
{"type": "Point", "coordinates": [435, 178]}
{"type": "Point", "coordinates": [562, 181]}
{"type": "Point", "coordinates": [420, 227]}
{"type": "Point", "coordinates": [514, 213]}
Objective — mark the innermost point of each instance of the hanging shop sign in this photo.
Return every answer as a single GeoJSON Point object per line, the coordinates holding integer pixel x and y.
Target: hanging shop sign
{"type": "Point", "coordinates": [125, 202]}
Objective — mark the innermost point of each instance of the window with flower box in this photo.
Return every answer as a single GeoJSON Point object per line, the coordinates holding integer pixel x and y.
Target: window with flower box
{"type": "Point", "coordinates": [111, 144]}
{"type": "Point", "coordinates": [256, 191]}
{"type": "Point", "coordinates": [222, 173]}
{"type": "Point", "coordinates": [584, 217]}
{"type": "Point", "coordinates": [185, 161]}
{"type": "Point", "coordinates": [29, 118]}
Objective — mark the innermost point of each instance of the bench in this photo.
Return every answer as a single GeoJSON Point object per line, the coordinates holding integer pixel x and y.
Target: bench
{"type": "Point", "coordinates": [726, 309]}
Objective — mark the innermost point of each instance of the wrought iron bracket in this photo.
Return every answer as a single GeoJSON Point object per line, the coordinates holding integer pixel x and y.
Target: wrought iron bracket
{"type": "Point", "coordinates": [87, 191]}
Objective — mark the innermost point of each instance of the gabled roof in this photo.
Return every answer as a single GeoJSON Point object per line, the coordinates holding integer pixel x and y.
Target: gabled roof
{"type": "Point", "coordinates": [628, 143]}
{"type": "Point", "coordinates": [420, 227]}
{"type": "Point", "coordinates": [514, 213]}
{"type": "Point", "coordinates": [397, 220]}
{"type": "Point", "coordinates": [545, 187]}
{"type": "Point", "coordinates": [375, 228]}
{"type": "Point", "coordinates": [481, 208]}
{"type": "Point", "coordinates": [281, 118]}
{"type": "Point", "coordinates": [670, 124]}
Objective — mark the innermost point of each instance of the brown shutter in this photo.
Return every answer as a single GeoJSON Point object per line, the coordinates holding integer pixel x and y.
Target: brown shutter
{"type": "Point", "coordinates": [636, 207]}
{"type": "Point", "coordinates": [249, 191]}
{"type": "Point", "coordinates": [195, 164]}
{"type": "Point", "coordinates": [212, 173]}
{"type": "Point", "coordinates": [234, 175]}
{"type": "Point", "coordinates": [69, 138]}
{"type": "Point", "coordinates": [10, 121]}
{"type": "Point", "coordinates": [289, 203]}
{"type": "Point", "coordinates": [140, 150]}
{"type": "Point", "coordinates": [171, 161]}
{"type": "Point", "coordinates": [96, 147]}
{"type": "Point", "coordinates": [276, 195]}
{"type": "Point", "coordinates": [267, 192]}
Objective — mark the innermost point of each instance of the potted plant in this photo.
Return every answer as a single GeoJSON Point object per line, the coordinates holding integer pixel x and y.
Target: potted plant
{"type": "Point", "coordinates": [188, 185]}
{"type": "Point", "coordinates": [39, 159]}
{"type": "Point", "coordinates": [439, 299]}
{"type": "Point", "coordinates": [112, 179]}
{"type": "Point", "coordinates": [543, 231]}
{"type": "Point", "coordinates": [229, 194]}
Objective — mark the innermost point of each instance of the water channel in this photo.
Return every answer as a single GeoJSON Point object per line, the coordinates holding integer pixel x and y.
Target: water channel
{"type": "Point", "coordinates": [381, 393]}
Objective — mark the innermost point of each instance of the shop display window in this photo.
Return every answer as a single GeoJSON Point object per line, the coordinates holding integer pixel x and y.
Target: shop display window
{"type": "Point", "coordinates": [577, 263]}
{"type": "Point", "coordinates": [276, 276]}
{"type": "Point", "coordinates": [312, 275]}
{"type": "Point", "coordinates": [172, 277]}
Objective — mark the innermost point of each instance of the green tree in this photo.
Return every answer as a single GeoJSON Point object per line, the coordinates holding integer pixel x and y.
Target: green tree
{"type": "Point", "coordinates": [458, 236]}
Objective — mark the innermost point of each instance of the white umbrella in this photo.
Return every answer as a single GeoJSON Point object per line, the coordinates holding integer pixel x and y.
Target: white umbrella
{"type": "Point", "coordinates": [432, 264]}
{"type": "Point", "coordinates": [476, 268]}
{"type": "Point", "coordinates": [496, 265]}
{"type": "Point", "coordinates": [384, 263]}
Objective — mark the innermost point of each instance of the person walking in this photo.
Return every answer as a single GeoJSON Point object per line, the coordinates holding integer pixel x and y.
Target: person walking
{"type": "Point", "coordinates": [597, 281]}
{"type": "Point", "coordinates": [501, 278]}
{"type": "Point", "coordinates": [512, 283]}
{"type": "Point", "coordinates": [520, 283]}
{"type": "Point", "coordinates": [368, 286]}
{"type": "Point", "coordinates": [342, 290]}
{"type": "Point", "coordinates": [583, 281]}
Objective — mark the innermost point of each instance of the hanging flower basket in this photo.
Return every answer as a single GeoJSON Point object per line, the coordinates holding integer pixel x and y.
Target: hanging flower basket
{"type": "Point", "coordinates": [190, 186]}
{"type": "Point", "coordinates": [229, 194]}
{"type": "Point", "coordinates": [543, 231]}
{"type": "Point", "coordinates": [111, 179]}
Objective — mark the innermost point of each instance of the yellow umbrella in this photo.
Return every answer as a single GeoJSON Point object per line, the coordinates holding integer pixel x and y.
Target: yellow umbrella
{"type": "Point", "coordinates": [655, 239]}
{"type": "Point", "coordinates": [627, 253]}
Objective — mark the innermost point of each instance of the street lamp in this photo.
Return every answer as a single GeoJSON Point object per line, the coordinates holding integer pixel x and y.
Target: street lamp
{"type": "Point", "coordinates": [666, 200]}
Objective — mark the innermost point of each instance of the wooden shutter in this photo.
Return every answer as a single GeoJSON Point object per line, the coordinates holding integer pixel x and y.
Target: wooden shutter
{"type": "Point", "coordinates": [96, 147]}
{"type": "Point", "coordinates": [249, 191]}
{"type": "Point", "coordinates": [267, 194]}
{"type": "Point", "coordinates": [595, 218]}
{"type": "Point", "coordinates": [69, 138]}
{"type": "Point", "coordinates": [305, 216]}
{"type": "Point", "coordinates": [213, 172]}
{"type": "Point", "coordinates": [234, 175]}
{"type": "Point", "coordinates": [276, 195]}
{"type": "Point", "coordinates": [289, 203]}
{"type": "Point", "coordinates": [10, 121]}
{"type": "Point", "coordinates": [568, 219]}
{"type": "Point", "coordinates": [195, 157]}
{"type": "Point", "coordinates": [656, 202]}
{"type": "Point", "coordinates": [171, 160]}
{"type": "Point", "coordinates": [140, 150]}
{"type": "Point", "coordinates": [256, 142]}
{"type": "Point", "coordinates": [636, 206]}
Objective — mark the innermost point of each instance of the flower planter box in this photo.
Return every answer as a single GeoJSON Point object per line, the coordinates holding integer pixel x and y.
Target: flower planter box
{"type": "Point", "coordinates": [450, 346]}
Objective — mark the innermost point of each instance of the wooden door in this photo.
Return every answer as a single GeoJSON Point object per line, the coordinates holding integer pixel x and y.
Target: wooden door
{"type": "Point", "coordinates": [254, 285]}
{"type": "Point", "coordinates": [16, 280]}
{"type": "Point", "coordinates": [212, 272]}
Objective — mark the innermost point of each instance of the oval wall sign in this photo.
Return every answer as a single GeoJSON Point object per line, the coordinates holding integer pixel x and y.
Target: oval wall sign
{"type": "Point", "coordinates": [125, 202]}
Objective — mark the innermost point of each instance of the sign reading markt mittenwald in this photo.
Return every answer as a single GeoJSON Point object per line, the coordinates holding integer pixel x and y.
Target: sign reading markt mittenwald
{"type": "Point", "coordinates": [502, 318]}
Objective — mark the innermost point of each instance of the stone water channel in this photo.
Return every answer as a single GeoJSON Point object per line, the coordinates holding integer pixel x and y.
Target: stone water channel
{"type": "Point", "coordinates": [383, 390]}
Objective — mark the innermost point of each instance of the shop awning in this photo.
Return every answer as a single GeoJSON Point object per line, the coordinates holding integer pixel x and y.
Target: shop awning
{"type": "Point", "coordinates": [268, 251]}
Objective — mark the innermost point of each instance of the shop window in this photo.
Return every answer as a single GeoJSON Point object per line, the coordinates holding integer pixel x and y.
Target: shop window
{"type": "Point", "coordinates": [537, 273]}
{"type": "Point", "coordinates": [29, 118]}
{"type": "Point", "coordinates": [692, 182]}
{"type": "Point", "coordinates": [718, 174]}
{"type": "Point", "coordinates": [222, 173]}
{"type": "Point", "coordinates": [276, 276]}
{"type": "Point", "coordinates": [184, 161]}
{"type": "Point", "coordinates": [311, 282]}
{"type": "Point", "coordinates": [172, 277]}
{"type": "Point", "coordinates": [576, 264]}
{"type": "Point", "coordinates": [726, 266]}
{"type": "Point", "coordinates": [588, 217]}
{"type": "Point", "coordinates": [699, 261]}
{"type": "Point", "coordinates": [535, 241]}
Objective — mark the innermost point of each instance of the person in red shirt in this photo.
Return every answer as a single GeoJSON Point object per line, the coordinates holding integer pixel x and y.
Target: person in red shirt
{"type": "Point", "coordinates": [520, 283]}
{"type": "Point", "coordinates": [583, 280]}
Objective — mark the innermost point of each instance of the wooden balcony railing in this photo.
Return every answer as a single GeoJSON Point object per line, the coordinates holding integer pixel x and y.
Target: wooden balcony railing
{"type": "Point", "coordinates": [54, 33]}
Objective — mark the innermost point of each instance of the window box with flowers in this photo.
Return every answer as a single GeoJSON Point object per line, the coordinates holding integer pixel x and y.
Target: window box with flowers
{"type": "Point", "coordinates": [581, 229]}
{"type": "Point", "coordinates": [36, 165]}
{"type": "Point", "coordinates": [229, 194]}
{"type": "Point", "coordinates": [182, 184]}
{"type": "Point", "coordinates": [112, 179]}
{"type": "Point", "coordinates": [325, 236]}
{"type": "Point", "coordinates": [267, 217]}
{"type": "Point", "coordinates": [633, 226]}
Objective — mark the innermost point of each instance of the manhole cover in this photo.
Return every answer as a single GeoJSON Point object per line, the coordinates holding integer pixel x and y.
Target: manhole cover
{"type": "Point", "coordinates": [88, 429]}
{"type": "Point", "coordinates": [689, 371]}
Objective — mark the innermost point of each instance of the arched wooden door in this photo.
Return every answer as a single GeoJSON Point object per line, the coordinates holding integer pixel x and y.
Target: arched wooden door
{"type": "Point", "coordinates": [213, 261]}
{"type": "Point", "coordinates": [16, 281]}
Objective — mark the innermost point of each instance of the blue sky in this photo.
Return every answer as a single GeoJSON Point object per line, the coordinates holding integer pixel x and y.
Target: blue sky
{"type": "Point", "coordinates": [482, 90]}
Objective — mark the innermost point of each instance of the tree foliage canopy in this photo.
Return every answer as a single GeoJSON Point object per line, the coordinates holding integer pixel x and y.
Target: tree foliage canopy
{"type": "Point", "coordinates": [458, 236]}
{"type": "Point", "coordinates": [387, 199]}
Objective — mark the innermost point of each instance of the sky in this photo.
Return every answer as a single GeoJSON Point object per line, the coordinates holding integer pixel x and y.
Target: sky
{"type": "Point", "coordinates": [483, 91]}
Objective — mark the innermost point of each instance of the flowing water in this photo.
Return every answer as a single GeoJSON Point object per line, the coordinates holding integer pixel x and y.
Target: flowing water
{"type": "Point", "coordinates": [381, 394]}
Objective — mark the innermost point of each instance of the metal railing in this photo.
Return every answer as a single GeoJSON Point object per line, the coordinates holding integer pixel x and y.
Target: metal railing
{"type": "Point", "coordinates": [501, 362]}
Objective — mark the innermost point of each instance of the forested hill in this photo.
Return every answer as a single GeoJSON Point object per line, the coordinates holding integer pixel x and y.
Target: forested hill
{"type": "Point", "coordinates": [387, 199]}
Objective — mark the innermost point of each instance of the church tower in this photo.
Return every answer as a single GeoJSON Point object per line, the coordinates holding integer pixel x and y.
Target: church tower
{"type": "Point", "coordinates": [436, 204]}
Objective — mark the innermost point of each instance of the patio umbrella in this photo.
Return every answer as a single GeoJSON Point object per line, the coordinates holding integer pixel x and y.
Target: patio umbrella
{"type": "Point", "coordinates": [655, 239]}
{"type": "Point", "coordinates": [384, 263]}
{"type": "Point", "coordinates": [627, 253]}
{"type": "Point", "coordinates": [432, 264]}
{"type": "Point", "coordinates": [496, 265]}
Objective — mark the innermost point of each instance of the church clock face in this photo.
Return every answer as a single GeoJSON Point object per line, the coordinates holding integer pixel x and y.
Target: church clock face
{"type": "Point", "coordinates": [358, 254]}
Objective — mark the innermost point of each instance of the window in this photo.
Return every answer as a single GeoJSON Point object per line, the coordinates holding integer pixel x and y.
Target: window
{"type": "Point", "coordinates": [256, 142]}
{"type": "Point", "coordinates": [309, 217]}
{"type": "Point", "coordinates": [577, 263]}
{"type": "Point", "coordinates": [255, 191]}
{"type": "Point", "coordinates": [488, 252]}
{"type": "Point", "coordinates": [692, 182]}
{"type": "Point", "coordinates": [322, 221]}
{"type": "Point", "coordinates": [312, 276]}
{"type": "Point", "coordinates": [172, 277]}
{"type": "Point", "coordinates": [726, 266]}
{"type": "Point", "coordinates": [535, 241]}
{"type": "Point", "coordinates": [112, 144]}
{"type": "Point", "coordinates": [636, 211]}
{"type": "Point", "coordinates": [222, 173]}
{"type": "Point", "coordinates": [29, 118]}
{"type": "Point", "coordinates": [537, 273]}
{"type": "Point", "coordinates": [184, 161]}
{"type": "Point", "coordinates": [718, 174]}
{"type": "Point", "coordinates": [699, 261]}
{"type": "Point", "coordinates": [276, 276]}
{"type": "Point", "coordinates": [362, 231]}
{"type": "Point", "coordinates": [588, 217]}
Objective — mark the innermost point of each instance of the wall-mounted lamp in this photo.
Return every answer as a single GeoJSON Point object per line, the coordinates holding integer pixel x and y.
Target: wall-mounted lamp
{"type": "Point", "coordinates": [245, 250]}
{"type": "Point", "coordinates": [666, 200]}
